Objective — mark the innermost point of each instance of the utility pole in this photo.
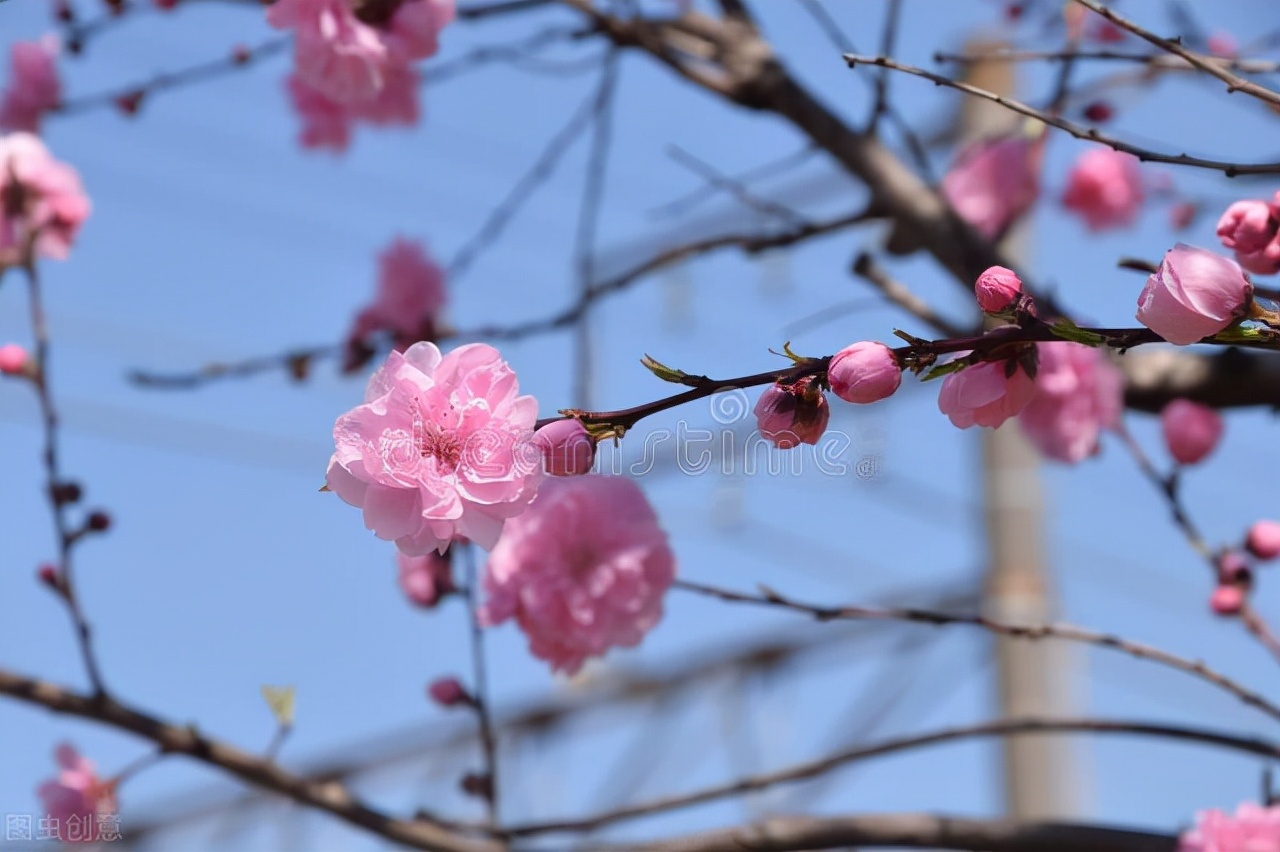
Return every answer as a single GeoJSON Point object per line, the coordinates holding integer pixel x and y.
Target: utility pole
{"type": "Point", "coordinates": [1041, 775]}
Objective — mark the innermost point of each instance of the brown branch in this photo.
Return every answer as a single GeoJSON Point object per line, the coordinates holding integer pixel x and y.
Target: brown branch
{"type": "Point", "coordinates": [1079, 131]}
{"type": "Point", "coordinates": [1214, 68]}
{"type": "Point", "coordinates": [815, 768]}
{"type": "Point", "coordinates": [866, 268]}
{"type": "Point", "coordinates": [1066, 632]}
{"type": "Point", "coordinates": [910, 831]}
{"type": "Point", "coordinates": [1158, 61]}
{"type": "Point", "coordinates": [1229, 379]}
{"type": "Point", "coordinates": [330, 797]}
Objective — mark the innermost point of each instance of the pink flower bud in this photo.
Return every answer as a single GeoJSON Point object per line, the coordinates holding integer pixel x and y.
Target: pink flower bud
{"type": "Point", "coordinates": [49, 575]}
{"type": "Point", "coordinates": [425, 579]}
{"type": "Point", "coordinates": [1104, 188]}
{"type": "Point", "coordinates": [1227, 600]}
{"type": "Point", "coordinates": [1194, 294]}
{"type": "Point", "coordinates": [792, 414]}
{"type": "Point", "coordinates": [13, 359]}
{"type": "Point", "coordinates": [1263, 540]}
{"type": "Point", "coordinates": [1233, 569]}
{"type": "Point", "coordinates": [864, 372]}
{"type": "Point", "coordinates": [1223, 45]}
{"type": "Point", "coordinates": [1249, 229]}
{"type": "Point", "coordinates": [1182, 214]}
{"type": "Point", "coordinates": [997, 289]}
{"type": "Point", "coordinates": [1191, 430]}
{"type": "Point", "coordinates": [567, 449]}
{"type": "Point", "coordinates": [448, 692]}
{"type": "Point", "coordinates": [985, 394]}
{"type": "Point", "coordinates": [1099, 112]}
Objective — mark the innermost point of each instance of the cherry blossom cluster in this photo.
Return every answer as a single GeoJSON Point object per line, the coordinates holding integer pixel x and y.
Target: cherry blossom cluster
{"type": "Point", "coordinates": [348, 70]}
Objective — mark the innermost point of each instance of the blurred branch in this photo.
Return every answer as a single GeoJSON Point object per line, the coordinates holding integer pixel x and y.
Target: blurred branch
{"type": "Point", "coordinates": [814, 768]}
{"type": "Point", "coordinates": [1079, 131]}
{"type": "Point", "coordinates": [910, 831]}
{"type": "Point", "coordinates": [1159, 61]}
{"type": "Point", "coordinates": [866, 268]}
{"type": "Point", "coordinates": [1212, 67]}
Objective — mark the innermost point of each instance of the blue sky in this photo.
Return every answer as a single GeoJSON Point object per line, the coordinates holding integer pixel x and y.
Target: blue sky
{"type": "Point", "coordinates": [214, 237]}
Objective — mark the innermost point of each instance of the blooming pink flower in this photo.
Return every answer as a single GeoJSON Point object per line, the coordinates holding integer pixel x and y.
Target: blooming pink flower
{"type": "Point", "coordinates": [438, 448]}
{"type": "Point", "coordinates": [1105, 188]}
{"type": "Point", "coordinates": [334, 52]}
{"type": "Point", "coordinates": [864, 372]}
{"type": "Point", "coordinates": [411, 293]}
{"type": "Point", "coordinates": [416, 25]}
{"type": "Point", "coordinates": [33, 88]}
{"type": "Point", "coordinates": [583, 570]}
{"type": "Point", "coordinates": [1191, 430]}
{"type": "Point", "coordinates": [38, 195]}
{"type": "Point", "coordinates": [567, 449]}
{"type": "Point", "coordinates": [426, 579]}
{"type": "Point", "coordinates": [1249, 228]}
{"type": "Point", "coordinates": [325, 123]}
{"type": "Point", "coordinates": [13, 359]}
{"type": "Point", "coordinates": [1263, 540]}
{"type": "Point", "coordinates": [1254, 828]}
{"type": "Point", "coordinates": [76, 797]}
{"type": "Point", "coordinates": [396, 102]}
{"type": "Point", "coordinates": [992, 183]}
{"type": "Point", "coordinates": [792, 414]}
{"type": "Point", "coordinates": [1078, 394]}
{"type": "Point", "coordinates": [985, 394]}
{"type": "Point", "coordinates": [997, 289]}
{"type": "Point", "coordinates": [1194, 294]}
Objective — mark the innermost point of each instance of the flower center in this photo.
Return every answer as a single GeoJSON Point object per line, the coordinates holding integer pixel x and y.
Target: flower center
{"type": "Point", "coordinates": [434, 441]}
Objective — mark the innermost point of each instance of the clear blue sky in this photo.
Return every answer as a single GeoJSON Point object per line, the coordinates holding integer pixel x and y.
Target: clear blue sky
{"type": "Point", "coordinates": [214, 237]}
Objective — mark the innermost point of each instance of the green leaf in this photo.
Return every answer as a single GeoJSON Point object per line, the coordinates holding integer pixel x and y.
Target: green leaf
{"type": "Point", "coordinates": [1068, 330]}
{"type": "Point", "coordinates": [945, 370]}
{"type": "Point", "coordinates": [280, 701]}
{"type": "Point", "coordinates": [668, 374]}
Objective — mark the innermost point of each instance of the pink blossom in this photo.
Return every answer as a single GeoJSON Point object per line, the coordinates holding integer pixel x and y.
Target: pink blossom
{"type": "Point", "coordinates": [76, 797]}
{"type": "Point", "coordinates": [864, 372]}
{"type": "Point", "coordinates": [1223, 45]}
{"type": "Point", "coordinates": [583, 570]}
{"type": "Point", "coordinates": [427, 578]}
{"type": "Point", "coordinates": [39, 195]}
{"type": "Point", "coordinates": [449, 692]}
{"type": "Point", "coordinates": [1191, 430]}
{"type": "Point", "coordinates": [13, 359]}
{"type": "Point", "coordinates": [1225, 600]}
{"type": "Point", "coordinates": [997, 289]}
{"type": "Point", "coordinates": [334, 52]}
{"type": "Point", "coordinates": [33, 88]}
{"type": "Point", "coordinates": [1105, 188]}
{"type": "Point", "coordinates": [1249, 228]}
{"type": "Point", "coordinates": [567, 449]}
{"type": "Point", "coordinates": [993, 183]}
{"type": "Point", "coordinates": [1254, 828]}
{"type": "Point", "coordinates": [438, 449]}
{"type": "Point", "coordinates": [410, 296]}
{"type": "Point", "coordinates": [985, 394]}
{"type": "Point", "coordinates": [792, 414]}
{"type": "Point", "coordinates": [416, 25]}
{"type": "Point", "coordinates": [1263, 540]}
{"type": "Point", "coordinates": [1078, 394]}
{"type": "Point", "coordinates": [1194, 294]}
{"type": "Point", "coordinates": [325, 123]}
{"type": "Point", "coordinates": [396, 102]}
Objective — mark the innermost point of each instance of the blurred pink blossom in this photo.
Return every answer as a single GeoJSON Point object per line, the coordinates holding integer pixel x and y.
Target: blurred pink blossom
{"type": "Point", "coordinates": [1263, 540]}
{"type": "Point", "coordinates": [1194, 294]}
{"type": "Point", "coordinates": [416, 25]}
{"type": "Point", "coordinates": [410, 296]}
{"type": "Point", "coordinates": [1191, 430]}
{"type": "Point", "coordinates": [425, 579]}
{"type": "Point", "coordinates": [13, 359]}
{"type": "Point", "coordinates": [1105, 188]}
{"type": "Point", "coordinates": [583, 570]}
{"type": "Point", "coordinates": [1078, 395]}
{"type": "Point", "coordinates": [334, 52]}
{"type": "Point", "coordinates": [33, 87]}
{"type": "Point", "coordinates": [1249, 228]}
{"type": "Point", "coordinates": [440, 448]}
{"type": "Point", "coordinates": [985, 394]}
{"type": "Point", "coordinates": [76, 796]}
{"type": "Point", "coordinates": [992, 183]}
{"type": "Point", "coordinates": [325, 123]}
{"type": "Point", "coordinates": [38, 195]}
{"type": "Point", "coordinates": [1254, 828]}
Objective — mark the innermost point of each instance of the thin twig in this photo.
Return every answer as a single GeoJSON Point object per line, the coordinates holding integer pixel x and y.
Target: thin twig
{"type": "Point", "coordinates": [716, 178]}
{"type": "Point", "coordinates": [1234, 82]}
{"type": "Point", "coordinates": [480, 689]}
{"type": "Point", "coordinates": [1079, 131]}
{"type": "Point", "coordinates": [1067, 632]}
{"type": "Point", "coordinates": [1160, 61]}
{"type": "Point", "coordinates": [887, 39]}
{"type": "Point", "coordinates": [866, 268]}
{"type": "Point", "coordinates": [770, 168]}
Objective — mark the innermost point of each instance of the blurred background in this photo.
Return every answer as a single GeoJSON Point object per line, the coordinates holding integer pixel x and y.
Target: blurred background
{"type": "Point", "coordinates": [214, 237]}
